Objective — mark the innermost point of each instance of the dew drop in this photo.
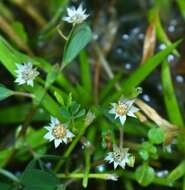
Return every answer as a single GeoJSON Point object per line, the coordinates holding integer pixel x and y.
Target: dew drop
{"type": "Point", "coordinates": [128, 66]}
{"type": "Point", "coordinates": [162, 47]}
{"type": "Point", "coordinates": [171, 28]}
{"type": "Point", "coordinates": [179, 79]}
{"type": "Point", "coordinates": [125, 36]}
{"type": "Point", "coordinates": [100, 168]}
{"type": "Point", "coordinates": [171, 58]}
{"type": "Point", "coordinates": [146, 98]}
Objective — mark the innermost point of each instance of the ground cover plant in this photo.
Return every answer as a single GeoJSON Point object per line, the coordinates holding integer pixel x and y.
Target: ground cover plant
{"type": "Point", "coordinates": [92, 94]}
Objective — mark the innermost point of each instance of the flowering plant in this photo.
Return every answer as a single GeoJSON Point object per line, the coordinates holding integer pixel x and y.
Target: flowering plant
{"type": "Point", "coordinates": [68, 113]}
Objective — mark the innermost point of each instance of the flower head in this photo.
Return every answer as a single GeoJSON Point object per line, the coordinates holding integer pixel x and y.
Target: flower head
{"type": "Point", "coordinates": [25, 74]}
{"type": "Point", "coordinates": [123, 108]}
{"type": "Point", "coordinates": [121, 157]}
{"type": "Point", "coordinates": [58, 132]}
{"type": "Point", "coordinates": [76, 16]}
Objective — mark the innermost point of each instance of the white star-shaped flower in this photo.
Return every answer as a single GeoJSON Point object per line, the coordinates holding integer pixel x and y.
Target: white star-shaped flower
{"type": "Point", "coordinates": [121, 157]}
{"type": "Point", "coordinates": [25, 74]}
{"type": "Point", "coordinates": [75, 16]}
{"type": "Point", "coordinates": [58, 132]}
{"type": "Point", "coordinates": [123, 108]}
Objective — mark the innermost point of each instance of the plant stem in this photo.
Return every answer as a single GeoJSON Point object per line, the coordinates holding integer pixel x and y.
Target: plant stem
{"type": "Point", "coordinates": [87, 168]}
{"type": "Point", "coordinates": [121, 136]}
{"type": "Point", "coordinates": [9, 175]}
{"type": "Point", "coordinates": [23, 94]}
{"type": "Point", "coordinates": [71, 147]}
{"type": "Point", "coordinates": [104, 176]}
{"type": "Point", "coordinates": [61, 33]}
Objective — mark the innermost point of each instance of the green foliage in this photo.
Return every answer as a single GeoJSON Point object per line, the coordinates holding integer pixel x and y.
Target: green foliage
{"type": "Point", "coordinates": [177, 173]}
{"type": "Point", "coordinates": [156, 135]}
{"type": "Point", "coordinates": [80, 98]}
{"type": "Point", "coordinates": [5, 92]}
{"type": "Point", "coordinates": [79, 38]}
{"type": "Point", "coordinates": [171, 103]}
{"type": "Point", "coordinates": [52, 75]}
{"type": "Point", "coordinates": [145, 175]}
{"type": "Point", "coordinates": [148, 150]}
{"type": "Point", "coordinates": [40, 179]}
{"type": "Point", "coordinates": [19, 29]}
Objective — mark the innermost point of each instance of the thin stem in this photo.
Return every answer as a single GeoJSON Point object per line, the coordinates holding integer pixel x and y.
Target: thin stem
{"type": "Point", "coordinates": [87, 168]}
{"type": "Point", "coordinates": [9, 175]}
{"type": "Point", "coordinates": [121, 136]}
{"type": "Point", "coordinates": [24, 94]}
{"type": "Point", "coordinates": [104, 176]}
{"type": "Point", "coordinates": [71, 147]}
{"type": "Point", "coordinates": [61, 33]}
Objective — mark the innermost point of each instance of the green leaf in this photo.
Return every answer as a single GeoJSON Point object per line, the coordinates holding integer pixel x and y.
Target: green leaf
{"type": "Point", "coordinates": [52, 75]}
{"type": "Point", "coordinates": [85, 72]}
{"type": "Point", "coordinates": [144, 154]}
{"type": "Point", "coordinates": [39, 179]}
{"type": "Point", "coordinates": [181, 5]}
{"type": "Point", "coordinates": [177, 173]}
{"type": "Point", "coordinates": [5, 92]}
{"type": "Point", "coordinates": [5, 186]}
{"type": "Point", "coordinates": [4, 155]}
{"type": "Point", "coordinates": [34, 138]}
{"type": "Point", "coordinates": [145, 175]}
{"type": "Point", "coordinates": [171, 103]}
{"type": "Point", "coordinates": [20, 31]}
{"type": "Point", "coordinates": [17, 114]}
{"type": "Point", "coordinates": [59, 98]}
{"type": "Point", "coordinates": [156, 135]}
{"type": "Point", "coordinates": [148, 150]}
{"type": "Point", "coordinates": [144, 71]}
{"type": "Point", "coordinates": [79, 38]}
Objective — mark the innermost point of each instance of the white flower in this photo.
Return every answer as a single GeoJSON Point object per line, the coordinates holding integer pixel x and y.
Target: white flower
{"type": "Point", "coordinates": [25, 73]}
{"type": "Point", "coordinates": [58, 132]}
{"type": "Point", "coordinates": [75, 16]}
{"type": "Point", "coordinates": [123, 108]}
{"type": "Point", "coordinates": [121, 157]}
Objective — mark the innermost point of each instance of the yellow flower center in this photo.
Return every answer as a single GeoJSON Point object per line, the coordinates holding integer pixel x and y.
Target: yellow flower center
{"type": "Point", "coordinates": [121, 109]}
{"type": "Point", "coordinates": [59, 131]}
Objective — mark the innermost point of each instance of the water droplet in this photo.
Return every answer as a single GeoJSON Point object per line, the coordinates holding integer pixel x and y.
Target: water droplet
{"type": "Point", "coordinates": [171, 28]}
{"type": "Point", "coordinates": [179, 79]}
{"type": "Point", "coordinates": [162, 46]}
{"type": "Point", "coordinates": [159, 87]}
{"type": "Point", "coordinates": [119, 51]}
{"type": "Point", "coordinates": [146, 98]}
{"type": "Point", "coordinates": [141, 36]}
{"type": "Point", "coordinates": [125, 36]}
{"type": "Point", "coordinates": [101, 168]}
{"type": "Point", "coordinates": [162, 173]}
{"type": "Point", "coordinates": [128, 66]}
{"type": "Point", "coordinates": [135, 30]}
{"type": "Point", "coordinates": [48, 165]}
{"type": "Point", "coordinates": [95, 36]}
{"type": "Point", "coordinates": [171, 58]}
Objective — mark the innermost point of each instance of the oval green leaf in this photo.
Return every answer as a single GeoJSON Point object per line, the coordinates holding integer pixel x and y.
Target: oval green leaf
{"type": "Point", "coordinates": [79, 38]}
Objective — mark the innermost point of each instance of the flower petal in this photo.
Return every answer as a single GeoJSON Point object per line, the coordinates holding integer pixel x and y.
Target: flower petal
{"type": "Point", "coordinates": [134, 109]}
{"type": "Point", "coordinates": [57, 142]}
{"type": "Point", "coordinates": [131, 114]}
{"type": "Point", "coordinates": [122, 119]}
